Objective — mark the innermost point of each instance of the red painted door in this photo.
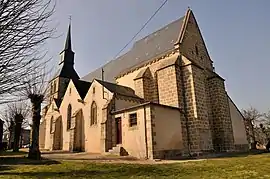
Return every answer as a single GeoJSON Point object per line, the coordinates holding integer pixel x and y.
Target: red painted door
{"type": "Point", "coordinates": [118, 122]}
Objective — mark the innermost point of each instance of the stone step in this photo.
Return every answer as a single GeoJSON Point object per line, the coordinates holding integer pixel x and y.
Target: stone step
{"type": "Point", "coordinates": [118, 150]}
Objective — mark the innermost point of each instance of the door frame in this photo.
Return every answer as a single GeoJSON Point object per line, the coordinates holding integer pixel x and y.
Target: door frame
{"type": "Point", "coordinates": [118, 130]}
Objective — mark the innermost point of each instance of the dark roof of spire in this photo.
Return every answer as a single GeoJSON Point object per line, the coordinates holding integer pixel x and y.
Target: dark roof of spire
{"type": "Point", "coordinates": [68, 39]}
{"type": "Point", "coordinates": [66, 71]}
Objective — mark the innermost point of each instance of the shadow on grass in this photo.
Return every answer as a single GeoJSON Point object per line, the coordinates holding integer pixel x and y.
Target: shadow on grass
{"type": "Point", "coordinates": [96, 159]}
{"type": "Point", "coordinates": [4, 168]}
{"type": "Point", "coordinates": [25, 161]}
{"type": "Point", "coordinates": [239, 154]}
{"type": "Point", "coordinates": [10, 153]}
{"type": "Point", "coordinates": [222, 155]}
{"type": "Point", "coordinates": [95, 173]}
{"type": "Point", "coordinates": [56, 152]}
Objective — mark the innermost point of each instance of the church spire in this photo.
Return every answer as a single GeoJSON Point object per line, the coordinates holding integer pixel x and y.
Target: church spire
{"type": "Point", "coordinates": [67, 55]}
{"type": "Point", "coordinates": [68, 39]}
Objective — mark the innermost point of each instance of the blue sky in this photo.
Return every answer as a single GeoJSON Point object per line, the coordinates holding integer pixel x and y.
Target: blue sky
{"type": "Point", "coordinates": [235, 32]}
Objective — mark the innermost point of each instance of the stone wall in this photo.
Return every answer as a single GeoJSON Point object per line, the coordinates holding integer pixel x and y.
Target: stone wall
{"type": "Point", "coordinates": [139, 88]}
{"type": "Point", "coordinates": [144, 85]}
{"type": "Point", "coordinates": [193, 124]}
{"type": "Point", "coordinates": [167, 86]}
{"type": "Point", "coordinates": [192, 44]}
{"type": "Point", "coordinates": [199, 79]}
{"type": "Point", "coordinates": [72, 134]}
{"type": "Point", "coordinates": [58, 134]}
{"type": "Point", "coordinates": [151, 82]}
{"type": "Point", "coordinates": [107, 136]}
{"type": "Point", "coordinates": [223, 139]}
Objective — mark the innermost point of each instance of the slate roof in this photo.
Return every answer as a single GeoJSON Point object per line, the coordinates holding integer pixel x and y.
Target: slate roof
{"type": "Point", "coordinates": [57, 102]}
{"type": "Point", "coordinates": [82, 87]}
{"type": "Point", "coordinates": [143, 50]}
{"type": "Point", "coordinates": [66, 71]}
{"type": "Point", "coordinates": [118, 89]}
{"type": "Point", "coordinates": [68, 39]}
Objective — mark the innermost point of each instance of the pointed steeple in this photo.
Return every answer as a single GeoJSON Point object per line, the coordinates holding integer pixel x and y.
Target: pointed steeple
{"type": "Point", "coordinates": [67, 55]}
{"type": "Point", "coordinates": [68, 39]}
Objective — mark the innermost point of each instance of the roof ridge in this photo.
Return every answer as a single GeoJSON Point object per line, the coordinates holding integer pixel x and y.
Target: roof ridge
{"type": "Point", "coordinates": [113, 83]}
{"type": "Point", "coordinates": [160, 29]}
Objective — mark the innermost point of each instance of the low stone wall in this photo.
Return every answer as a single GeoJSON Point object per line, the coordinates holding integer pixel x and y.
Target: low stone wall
{"type": "Point", "coordinates": [167, 154]}
{"type": "Point", "coordinates": [241, 147]}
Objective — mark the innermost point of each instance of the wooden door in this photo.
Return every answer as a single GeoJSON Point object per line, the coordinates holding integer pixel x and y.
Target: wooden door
{"type": "Point", "coordinates": [118, 125]}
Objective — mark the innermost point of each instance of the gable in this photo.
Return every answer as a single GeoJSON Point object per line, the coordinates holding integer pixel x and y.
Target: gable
{"type": "Point", "coordinates": [71, 94]}
{"type": "Point", "coordinates": [52, 109]}
{"type": "Point", "coordinates": [97, 93]}
{"type": "Point", "coordinates": [192, 44]}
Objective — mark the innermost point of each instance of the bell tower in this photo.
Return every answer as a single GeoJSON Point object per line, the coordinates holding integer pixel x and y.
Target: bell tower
{"type": "Point", "coordinates": [65, 72]}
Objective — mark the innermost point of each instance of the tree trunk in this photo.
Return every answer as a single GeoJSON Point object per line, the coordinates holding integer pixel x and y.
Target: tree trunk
{"type": "Point", "coordinates": [253, 143]}
{"type": "Point", "coordinates": [11, 127]}
{"type": "Point", "coordinates": [17, 133]}
{"type": "Point", "coordinates": [34, 152]}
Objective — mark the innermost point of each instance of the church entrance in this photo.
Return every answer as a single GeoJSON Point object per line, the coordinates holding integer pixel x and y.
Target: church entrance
{"type": "Point", "coordinates": [78, 143]}
{"type": "Point", "coordinates": [118, 124]}
{"type": "Point", "coordinates": [58, 135]}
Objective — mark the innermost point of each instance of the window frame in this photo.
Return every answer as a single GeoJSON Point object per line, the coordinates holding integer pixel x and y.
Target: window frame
{"type": "Point", "coordinates": [93, 114]}
{"type": "Point", "coordinates": [69, 116]}
{"type": "Point", "coordinates": [51, 125]}
{"type": "Point", "coordinates": [131, 119]}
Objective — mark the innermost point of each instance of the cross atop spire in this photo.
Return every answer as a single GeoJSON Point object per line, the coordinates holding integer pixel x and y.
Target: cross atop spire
{"type": "Point", "coordinates": [68, 39]}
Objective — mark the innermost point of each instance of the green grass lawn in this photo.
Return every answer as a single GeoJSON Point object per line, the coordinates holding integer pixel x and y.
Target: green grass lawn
{"type": "Point", "coordinates": [256, 166]}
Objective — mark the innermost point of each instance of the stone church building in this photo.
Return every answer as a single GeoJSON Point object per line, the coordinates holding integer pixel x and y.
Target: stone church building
{"type": "Point", "coordinates": [161, 99]}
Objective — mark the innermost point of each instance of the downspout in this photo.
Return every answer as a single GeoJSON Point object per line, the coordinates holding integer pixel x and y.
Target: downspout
{"type": "Point", "coordinates": [102, 79]}
{"type": "Point", "coordinates": [185, 106]}
{"type": "Point", "coordinates": [145, 133]}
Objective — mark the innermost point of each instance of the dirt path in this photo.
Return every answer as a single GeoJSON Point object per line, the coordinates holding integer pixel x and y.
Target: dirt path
{"type": "Point", "coordinates": [106, 158]}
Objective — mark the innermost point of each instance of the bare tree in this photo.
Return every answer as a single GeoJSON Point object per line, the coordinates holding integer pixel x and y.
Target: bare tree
{"type": "Point", "coordinates": [9, 125]}
{"type": "Point", "coordinates": [19, 112]}
{"type": "Point", "coordinates": [36, 90]}
{"type": "Point", "coordinates": [252, 117]}
{"type": "Point", "coordinates": [24, 27]}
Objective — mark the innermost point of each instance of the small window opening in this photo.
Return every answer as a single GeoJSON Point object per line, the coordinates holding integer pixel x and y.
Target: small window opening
{"type": "Point", "coordinates": [69, 117]}
{"type": "Point", "coordinates": [196, 50]}
{"type": "Point", "coordinates": [54, 86]}
{"type": "Point", "coordinates": [132, 119]}
{"type": "Point", "coordinates": [51, 126]}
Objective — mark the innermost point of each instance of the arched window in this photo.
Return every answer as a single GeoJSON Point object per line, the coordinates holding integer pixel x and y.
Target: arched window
{"type": "Point", "coordinates": [51, 126]}
{"type": "Point", "coordinates": [69, 117]}
{"type": "Point", "coordinates": [93, 113]}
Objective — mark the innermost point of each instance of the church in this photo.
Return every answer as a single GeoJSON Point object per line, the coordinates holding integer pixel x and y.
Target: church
{"type": "Point", "coordinates": [160, 100]}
